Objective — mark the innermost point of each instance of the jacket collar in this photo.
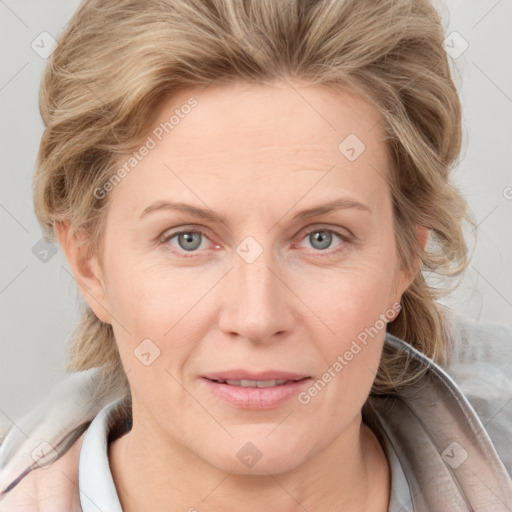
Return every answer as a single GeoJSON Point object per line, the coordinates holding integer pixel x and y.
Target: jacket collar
{"type": "Point", "coordinates": [445, 451]}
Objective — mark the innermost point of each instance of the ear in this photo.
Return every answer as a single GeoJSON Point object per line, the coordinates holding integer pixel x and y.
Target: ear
{"type": "Point", "coordinates": [406, 277]}
{"type": "Point", "coordinates": [86, 269]}
{"type": "Point", "coordinates": [422, 233]}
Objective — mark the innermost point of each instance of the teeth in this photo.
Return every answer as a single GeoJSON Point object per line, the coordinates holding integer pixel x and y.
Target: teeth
{"type": "Point", "coordinates": [255, 383]}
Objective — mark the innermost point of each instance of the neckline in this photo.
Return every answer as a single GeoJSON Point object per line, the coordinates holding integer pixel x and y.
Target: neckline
{"type": "Point", "coordinates": [96, 483]}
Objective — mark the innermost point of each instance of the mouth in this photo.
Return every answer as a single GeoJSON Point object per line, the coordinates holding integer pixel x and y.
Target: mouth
{"type": "Point", "coordinates": [245, 383]}
{"type": "Point", "coordinates": [256, 394]}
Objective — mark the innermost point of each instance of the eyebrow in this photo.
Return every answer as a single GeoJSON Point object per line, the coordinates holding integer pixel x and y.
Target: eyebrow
{"type": "Point", "coordinates": [211, 216]}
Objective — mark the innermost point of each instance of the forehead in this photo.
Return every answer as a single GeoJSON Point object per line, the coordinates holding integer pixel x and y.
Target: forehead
{"type": "Point", "coordinates": [290, 113]}
{"type": "Point", "coordinates": [279, 137]}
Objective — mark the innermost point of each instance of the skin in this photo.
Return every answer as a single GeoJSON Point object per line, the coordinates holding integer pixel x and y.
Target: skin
{"type": "Point", "coordinates": [256, 154]}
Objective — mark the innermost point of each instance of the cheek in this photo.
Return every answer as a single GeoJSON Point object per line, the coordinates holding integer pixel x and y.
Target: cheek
{"type": "Point", "coordinates": [354, 307]}
{"type": "Point", "coordinates": [143, 297]}
{"type": "Point", "coordinates": [156, 311]}
{"type": "Point", "coordinates": [356, 311]}
{"type": "Point", "coordinates": [350, 298]}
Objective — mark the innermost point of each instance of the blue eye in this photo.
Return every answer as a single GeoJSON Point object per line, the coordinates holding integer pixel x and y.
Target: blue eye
{"type": "Point", "coordinates": [322, 239]}
{"type": "Point", "coordinates": [189, 241]}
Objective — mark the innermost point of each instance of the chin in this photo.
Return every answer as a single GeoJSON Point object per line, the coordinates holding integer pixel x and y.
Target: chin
{"type": "Point", "coordinates": [258, 457]}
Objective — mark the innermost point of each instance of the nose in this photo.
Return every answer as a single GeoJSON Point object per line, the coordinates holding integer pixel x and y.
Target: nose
{"type": "Point", "coordinates": [257, 304]}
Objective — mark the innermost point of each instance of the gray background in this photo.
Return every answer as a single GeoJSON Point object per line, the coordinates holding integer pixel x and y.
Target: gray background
{"type": "Point", "coordinates": [38, 299]}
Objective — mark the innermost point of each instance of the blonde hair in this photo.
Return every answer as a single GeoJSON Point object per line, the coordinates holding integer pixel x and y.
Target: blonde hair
{"type": "Point", "coordinates": [118, 61]}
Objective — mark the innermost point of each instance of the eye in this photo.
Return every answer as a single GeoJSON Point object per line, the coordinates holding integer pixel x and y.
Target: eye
{"type": "Point", "coordinates": [186, 240]}
{"type": "Point", "coordinates": [191, 240]}
{"type": "Point", "coordinates": [321, 239]}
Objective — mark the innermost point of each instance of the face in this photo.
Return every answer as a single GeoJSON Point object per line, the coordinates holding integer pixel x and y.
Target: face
{"type": "Point", "coordinates": [268, 292]}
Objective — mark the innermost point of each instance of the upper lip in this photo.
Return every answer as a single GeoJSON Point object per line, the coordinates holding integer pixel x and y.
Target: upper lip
{"type": "Point", "coordinates": [250, 375]}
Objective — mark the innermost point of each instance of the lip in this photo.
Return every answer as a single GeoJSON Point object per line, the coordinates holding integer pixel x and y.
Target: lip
{"type": "Point", "coordinates": [256, 398]}
{"type": "Point", "coordinates": [239, 374]}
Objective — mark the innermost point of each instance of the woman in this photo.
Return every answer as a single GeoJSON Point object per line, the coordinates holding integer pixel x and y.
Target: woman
{"type": "Point", "coordinates": [249, 195]}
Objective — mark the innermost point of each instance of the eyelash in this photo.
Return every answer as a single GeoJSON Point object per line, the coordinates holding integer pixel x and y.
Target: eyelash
{"type": "Point", "coordinates": [165, 238]}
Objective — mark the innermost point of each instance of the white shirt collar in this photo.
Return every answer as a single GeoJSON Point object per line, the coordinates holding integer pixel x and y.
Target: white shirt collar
{"type": "Point", "coordinates": [96, 484]}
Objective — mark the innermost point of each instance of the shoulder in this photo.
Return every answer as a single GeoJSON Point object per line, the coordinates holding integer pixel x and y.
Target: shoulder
{"type": "Point", "coordinates": [48, 489]}
{"type": "Point", "coordinates": [480, 363]}
{"type": "Point", "coordinates": [58, 423]}
{"type": "Point", "coordinates": [479, 342]}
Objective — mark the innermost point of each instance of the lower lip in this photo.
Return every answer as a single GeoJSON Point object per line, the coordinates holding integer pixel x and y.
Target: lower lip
{"type": "Point", "coordinates": [256, 398]}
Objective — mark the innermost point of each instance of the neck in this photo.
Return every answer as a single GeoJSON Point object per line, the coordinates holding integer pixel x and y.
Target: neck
{"type": "Point", "coordinates": [351, 474]}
